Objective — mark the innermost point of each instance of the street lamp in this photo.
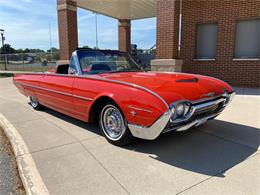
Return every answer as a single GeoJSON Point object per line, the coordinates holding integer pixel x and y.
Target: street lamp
{"type": "Point", "coordinates": [3, 39]}
{"type": "Point", "coordinates": [2, 36]}
{"type": "Point", "coordinates": [96, 21]}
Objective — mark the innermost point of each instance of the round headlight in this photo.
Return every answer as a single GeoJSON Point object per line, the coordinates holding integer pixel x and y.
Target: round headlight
{"type": "Point", "coordinates": [180, 109]}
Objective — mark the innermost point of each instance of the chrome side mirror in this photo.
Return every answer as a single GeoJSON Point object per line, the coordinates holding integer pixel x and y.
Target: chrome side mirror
{"type": "Point", "coordinates": [72, 71]}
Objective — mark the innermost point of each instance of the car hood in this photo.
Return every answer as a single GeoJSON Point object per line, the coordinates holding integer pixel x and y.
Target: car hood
{"type": "Point", "coordinates": [173, 86]}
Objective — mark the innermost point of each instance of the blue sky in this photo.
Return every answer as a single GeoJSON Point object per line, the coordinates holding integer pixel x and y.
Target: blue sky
{"type": "Point", "coordinates": [26, 24]}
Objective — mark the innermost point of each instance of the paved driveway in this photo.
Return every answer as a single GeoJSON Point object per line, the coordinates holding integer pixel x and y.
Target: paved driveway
{"type": "Point", "coordinates": [219, 157]}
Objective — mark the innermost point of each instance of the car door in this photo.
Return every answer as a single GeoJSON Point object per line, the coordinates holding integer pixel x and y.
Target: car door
{"type": "Point", "coordinates": [56, 92]}
{"type": "Point", "coordinates": [84, 91]}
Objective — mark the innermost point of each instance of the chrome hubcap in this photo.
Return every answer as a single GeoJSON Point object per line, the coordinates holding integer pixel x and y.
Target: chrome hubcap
{"type": "Point", "coordinates": [112, 122]}
{"type": "Point", "coordinates": [34, 102]}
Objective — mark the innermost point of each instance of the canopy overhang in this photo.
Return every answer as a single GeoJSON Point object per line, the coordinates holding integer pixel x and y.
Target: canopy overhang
{"type": "Point", "coordinates": [121, 9]}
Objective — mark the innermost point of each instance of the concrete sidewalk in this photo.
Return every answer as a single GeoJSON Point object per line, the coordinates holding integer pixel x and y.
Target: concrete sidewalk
{"type": "Point", "coordinates": [219, 157]}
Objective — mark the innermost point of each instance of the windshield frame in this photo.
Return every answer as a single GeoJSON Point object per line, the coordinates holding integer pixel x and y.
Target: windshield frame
{"type": "Point", "coordinates": [125, 54]}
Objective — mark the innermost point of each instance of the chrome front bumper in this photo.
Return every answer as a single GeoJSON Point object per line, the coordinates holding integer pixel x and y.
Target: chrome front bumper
{"type": "Point", "coordinates": [160, 126]}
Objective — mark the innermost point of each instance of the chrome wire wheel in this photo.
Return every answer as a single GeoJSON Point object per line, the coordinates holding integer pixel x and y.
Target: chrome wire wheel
{"type": "Point", "coordinates": [34, 102]}
{"type": "Point", "coordinates": [112, 122]}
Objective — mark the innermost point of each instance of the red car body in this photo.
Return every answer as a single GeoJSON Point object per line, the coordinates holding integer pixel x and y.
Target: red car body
{"type": "Point", "coordinates": [143, 97]}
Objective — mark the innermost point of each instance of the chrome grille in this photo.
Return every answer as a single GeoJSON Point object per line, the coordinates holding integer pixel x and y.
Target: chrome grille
{"type": "Point", "coordinates": [206, 109]}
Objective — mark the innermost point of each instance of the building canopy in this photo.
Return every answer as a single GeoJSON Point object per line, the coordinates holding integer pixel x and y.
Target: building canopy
{"type": "Point", "coordinates": [121, 9]}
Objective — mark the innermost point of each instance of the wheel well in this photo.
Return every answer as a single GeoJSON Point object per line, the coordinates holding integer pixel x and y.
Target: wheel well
{"type": "Point", "coordinates": [96, 108]}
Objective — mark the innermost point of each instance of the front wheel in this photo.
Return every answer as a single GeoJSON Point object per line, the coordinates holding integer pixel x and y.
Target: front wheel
{"type": "Point", "coordinates": [114, 126]}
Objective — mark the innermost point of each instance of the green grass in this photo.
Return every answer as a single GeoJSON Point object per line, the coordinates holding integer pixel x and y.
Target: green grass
{"type": "Point", "coordinates": [3, 75]}
{"type": "Point", "coordinates": [27, 68]}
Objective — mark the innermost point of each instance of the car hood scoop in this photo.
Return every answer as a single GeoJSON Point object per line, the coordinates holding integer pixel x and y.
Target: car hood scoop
{"type": "Point", "coordinates": [193, 80]}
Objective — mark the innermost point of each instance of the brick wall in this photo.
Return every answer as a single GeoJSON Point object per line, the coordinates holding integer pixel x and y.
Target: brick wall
{"type": "Point", "coordinates": [225, 13]}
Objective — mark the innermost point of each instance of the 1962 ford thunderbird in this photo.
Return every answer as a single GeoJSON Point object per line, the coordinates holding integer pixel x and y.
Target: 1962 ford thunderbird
{"type": "Point", "coordinates": [108, 87]}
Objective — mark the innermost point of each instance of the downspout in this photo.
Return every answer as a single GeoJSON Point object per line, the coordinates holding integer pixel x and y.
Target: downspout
{"type": "Point", "coordinates": [180, 30]}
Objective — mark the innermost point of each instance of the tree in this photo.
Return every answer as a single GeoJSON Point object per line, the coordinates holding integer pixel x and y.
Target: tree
{"type": "Point", "coordinates": [26, 50]}
{"type": "Point", "coordinates": [6, 49]}
{"type": "Point", "coordinates": [85, 46]}
{"type": "Point", "coordinates": [53, 49]}
{"type": "Point", "coordinates": [19, 51]}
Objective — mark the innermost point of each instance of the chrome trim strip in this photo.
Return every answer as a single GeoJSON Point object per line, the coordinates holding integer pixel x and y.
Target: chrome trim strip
{"type": "Point", "coordinates": [140, 109]}
{"type": "Point", "coordinates": [58, 92]}
{"type": "Point", "coordinates": [106, 80]}
{"type": "Point", "coordinates": [81, 97]}
{"type": "Point", "coordinates": [206, 99]}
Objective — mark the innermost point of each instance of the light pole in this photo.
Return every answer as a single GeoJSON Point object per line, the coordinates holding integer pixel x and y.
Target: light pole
{"type": "Point", "coordinates": [2, 36]}
{"type": "Point", "coordinates": [50, 39]}
{"type": "Point", "coordinates": [3, 39]}
{"type": "Point", "coordinates": [96, 21]}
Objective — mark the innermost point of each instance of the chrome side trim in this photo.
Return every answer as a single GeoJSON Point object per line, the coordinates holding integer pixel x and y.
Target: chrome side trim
{"type": "Point", "coordinates": [140, 109]}
{"type": "Point", "coordinates": [83, 98]}
{"type": "Point", "coordinates": [57, 92]}
{"type": "Point", "coordinates": [106, 80]}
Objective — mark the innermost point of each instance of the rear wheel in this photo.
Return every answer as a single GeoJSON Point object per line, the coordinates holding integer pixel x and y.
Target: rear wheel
{"type": "Point", "coordinates": [113, 125]}
{"type": "Point", "coordinates": [34, 103]}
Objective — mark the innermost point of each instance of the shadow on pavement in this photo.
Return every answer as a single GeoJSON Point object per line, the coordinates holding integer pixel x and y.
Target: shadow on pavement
{"type": "Point", "coordinates": [87, 126]}
{"type": "Point", "coordinates": [197, 151]}
{"type": "Point", "coordinates": [247, 91]}
{"type": "Point", "coordinates": [192, 150]}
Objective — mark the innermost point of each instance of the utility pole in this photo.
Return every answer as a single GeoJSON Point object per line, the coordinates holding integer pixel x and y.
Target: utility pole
{"type": "Point", "coordinates": [50, 39]}
{"type": "Point", "coordinates": [3, 39]}
{"type": "Point", "coordinates": [96, 30]}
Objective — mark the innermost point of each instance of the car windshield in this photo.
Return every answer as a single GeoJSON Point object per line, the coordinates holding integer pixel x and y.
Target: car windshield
{"type": "Point", "coordinates": [98, 62]}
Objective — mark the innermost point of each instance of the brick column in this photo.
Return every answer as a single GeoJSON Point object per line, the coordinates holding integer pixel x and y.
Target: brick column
{"type": "Point", "coordinates": [167, 29]}
{"type": "Point", "coordinates": [167, 36]}
{"type": "Point", "coordinates": [124, 35]}
{"type": "Point", "coordinates": [68, 30]}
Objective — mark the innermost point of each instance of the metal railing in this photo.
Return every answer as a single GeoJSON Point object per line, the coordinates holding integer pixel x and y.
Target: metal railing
{"type": "Point", "coordinates": [144, 57]}
{"type": "Point", "coordinates": [32, 62]}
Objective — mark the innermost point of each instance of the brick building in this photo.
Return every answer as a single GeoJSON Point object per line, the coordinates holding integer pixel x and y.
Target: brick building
{"type": "Point", "coordinates": [220, 38]}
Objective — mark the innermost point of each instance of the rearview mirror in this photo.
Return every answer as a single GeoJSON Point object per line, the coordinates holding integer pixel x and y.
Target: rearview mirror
{"type": "Point", "coordinates": [72, 71]}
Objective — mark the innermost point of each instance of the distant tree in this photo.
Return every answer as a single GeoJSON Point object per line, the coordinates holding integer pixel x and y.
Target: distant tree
{"type": "Point", "coordinates": [26, 50]}
{"type": "Point", "coordinates": [6, 49]}
{"type": "Point", "coordinates": [19, 51]}
{"type": "Point", "coordinates": [85, 46]}
{"type": "Point", "coordinates": [53, 49]}
{"type": "Point", "coordinates": [37, 51]}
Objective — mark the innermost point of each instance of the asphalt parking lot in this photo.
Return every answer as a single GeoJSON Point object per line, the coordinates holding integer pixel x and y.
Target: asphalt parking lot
{"type": "Point", "coordinates": [220, 157]}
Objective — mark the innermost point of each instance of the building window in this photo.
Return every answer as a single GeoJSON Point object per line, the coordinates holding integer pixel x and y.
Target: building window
{"type": "Point", "coordinates": [247, 39]}
{"type": "Point", "coordinates": [206, 41]}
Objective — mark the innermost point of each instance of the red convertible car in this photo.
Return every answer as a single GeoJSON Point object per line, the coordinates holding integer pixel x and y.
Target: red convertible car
{"type": "Point", "coordinates": [108, 87]}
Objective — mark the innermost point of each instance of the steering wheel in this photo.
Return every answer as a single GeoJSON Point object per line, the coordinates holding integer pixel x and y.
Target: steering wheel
{"type": "Point", "coordinates": [120, 67]}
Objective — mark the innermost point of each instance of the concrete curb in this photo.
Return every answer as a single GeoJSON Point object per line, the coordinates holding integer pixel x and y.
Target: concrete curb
{"type": "Point", "coordinates": [30, 176]}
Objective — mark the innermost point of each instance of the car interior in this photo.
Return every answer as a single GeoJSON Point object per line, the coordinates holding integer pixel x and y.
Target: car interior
{"type": "Point", "coordinates": [62, 69]}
